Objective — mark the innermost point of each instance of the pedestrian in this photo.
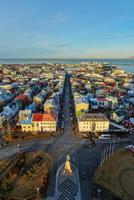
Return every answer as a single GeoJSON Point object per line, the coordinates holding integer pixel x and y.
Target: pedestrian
{"type": "Point", "coordinates": [92, 141]}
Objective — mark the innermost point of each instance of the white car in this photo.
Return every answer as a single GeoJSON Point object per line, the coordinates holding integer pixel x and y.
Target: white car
{"type": "Point", "coordinates": [129, 146]}
{"type": "Point", "coordinates": [105, 137]}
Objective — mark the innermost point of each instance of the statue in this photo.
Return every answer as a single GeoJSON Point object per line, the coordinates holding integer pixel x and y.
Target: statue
{"type": "Point", "coordinates": [67, 168]}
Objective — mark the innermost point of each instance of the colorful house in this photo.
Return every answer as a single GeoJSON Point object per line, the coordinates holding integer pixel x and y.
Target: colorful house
{"type": "Point", "coordinates": [102, 102]}
{"type": "Point", "coordinates": [80, 104]}
{"type": "Point", "coordinates": [43, 122]}
{"type": "Point", "coordinates": [26, 125]}
{"type": "Point", "coordinates": [40, 122]}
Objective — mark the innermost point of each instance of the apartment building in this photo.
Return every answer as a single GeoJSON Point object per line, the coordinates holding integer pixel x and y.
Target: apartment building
{"type": "Point", "coordinates": [43, 122]}
{"type": "Point", "coordinates": [39, 122]}
{"type": "Point", "coordinates": [88, 122]}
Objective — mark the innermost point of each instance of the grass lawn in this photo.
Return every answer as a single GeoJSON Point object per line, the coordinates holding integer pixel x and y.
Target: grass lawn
{"type": "Point", "coordinates": [31, 176]}
{"type": "Point", "coordinates": [117, 174]}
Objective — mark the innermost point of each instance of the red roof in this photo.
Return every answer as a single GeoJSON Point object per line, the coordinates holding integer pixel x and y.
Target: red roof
{"type": "Point", "coordinates": [101, 99]}
{"type": "Point", "coordinates": [48, 117]}
{"type": "Point", "coordinates": [22, 97]}
{"type": "Point", "coordinates": [37, 117]}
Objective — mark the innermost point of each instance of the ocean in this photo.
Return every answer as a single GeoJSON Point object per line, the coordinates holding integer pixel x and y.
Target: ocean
{"type": "Point", "coordinates": [126, 64]}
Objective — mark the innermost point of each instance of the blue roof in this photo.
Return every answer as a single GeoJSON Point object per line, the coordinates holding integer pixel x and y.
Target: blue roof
{"type": "Point", "coordinates": [81, 100]}
{"type": "Point", "coordinates": [31, 107]}
{"type": "Point", "coordinates": [26, 121]}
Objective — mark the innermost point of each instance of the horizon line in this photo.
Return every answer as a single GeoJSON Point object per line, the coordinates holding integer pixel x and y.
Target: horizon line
{"type": "Point", "coordinates": [62, 58]}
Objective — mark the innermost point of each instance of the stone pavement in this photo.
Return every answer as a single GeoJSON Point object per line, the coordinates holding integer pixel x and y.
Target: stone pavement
{"type": "Point", "coordinates": [67, 187]}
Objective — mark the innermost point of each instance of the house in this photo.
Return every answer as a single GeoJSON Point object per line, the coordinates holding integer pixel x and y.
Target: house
{"type": "Point", "coordinates": [117, 72]}
{"type": "Point", "coordinates": [40, 122]}
{"type": "Point", "coordinates": [80, 104]}
{"type": "Point", "coordinates": [52, 103]}
{"type": "Point", "coordinates": [89, 122]}
{"type": "Point", "coordinates": [43, 122]}
{"type": "Point", "coordinates": [26, 125]}
{"type": "Point", "coordinates": [24, 114]}
{"type": "Point", "coordinates": [112, 102]}
{"type": "Point", "coordinates": [102, 102]}
{"type": "Point", "coordinates": [117, 116]}
{"type": "Point", "coordinates": [99, 92]}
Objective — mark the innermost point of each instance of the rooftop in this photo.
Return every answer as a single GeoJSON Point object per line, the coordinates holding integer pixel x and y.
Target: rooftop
{"type": "Point", "coordinates": [80, 100]}
{"type": "Point", "coordinates": [26, 121]}
{"type": "Point", "coordinates": [92, 117]}
{"type": "Point", "coordinates": [48, 117]}
{"type": "Point", "coordinates": [101, 99]}
{"type": "Point", "coordinates": [37, 117]}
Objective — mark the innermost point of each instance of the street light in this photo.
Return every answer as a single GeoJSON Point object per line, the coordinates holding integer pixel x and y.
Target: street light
{"type": "Point", "coordinates": [113, 147]}
{"type": "Point", "coordinates": [38, 191]}
{"type": "Point", "coordinates": [102, 157]}
{"type": "Point", "coordinates": [99, 192]}
{"type": "Point", "coordinates": [110, 149]}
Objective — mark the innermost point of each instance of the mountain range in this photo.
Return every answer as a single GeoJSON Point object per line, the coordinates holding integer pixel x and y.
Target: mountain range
{"type": "Point", "coordinates": [132, 57]}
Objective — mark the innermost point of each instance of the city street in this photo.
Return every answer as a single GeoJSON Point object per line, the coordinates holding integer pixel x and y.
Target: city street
{"type": "Point", "coordinates": [85, 158]}
{"type": "Point", "coordinates": [66, 100]}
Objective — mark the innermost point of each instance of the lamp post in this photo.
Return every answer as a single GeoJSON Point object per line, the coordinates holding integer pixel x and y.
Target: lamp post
{"type": "Point", "coordinates": [113, 146]}
{"type": "Point", "coordinates": [110, 149]}
{"type": "Point", "coordinates": [38, 192]}
{"type": "Point", "coordinates": [99, 192]}
{"type": "Point", "coordinates": [101, 161]}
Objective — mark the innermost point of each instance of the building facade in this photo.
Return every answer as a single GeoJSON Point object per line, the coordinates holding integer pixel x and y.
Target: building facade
{"type": "Point", "coordinates": [92, 123]}
{"type": "Point", "coordinates": [39, 123]}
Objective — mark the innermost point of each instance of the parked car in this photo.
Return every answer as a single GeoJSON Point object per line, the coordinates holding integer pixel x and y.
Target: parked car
{"type": "Point", "coordinates": [105, 137]}
{"type": "Point", "coordinates": [130, 148]}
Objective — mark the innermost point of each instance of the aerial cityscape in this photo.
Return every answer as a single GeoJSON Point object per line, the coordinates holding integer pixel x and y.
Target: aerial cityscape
{"type": "Point", "coordinates": [66, 100]}
{"type": "Point", "coordinates": [53, 112]}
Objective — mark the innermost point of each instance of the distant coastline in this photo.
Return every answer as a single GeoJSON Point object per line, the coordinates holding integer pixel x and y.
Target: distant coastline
{"type": "Point", "coordinates": [131, 58]}
{"type": "Point", "coordinates": [126, 64]}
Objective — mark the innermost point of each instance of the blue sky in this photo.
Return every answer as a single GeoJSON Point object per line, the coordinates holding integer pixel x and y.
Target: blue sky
{"type": "Point", "coordinates": [66, 28]}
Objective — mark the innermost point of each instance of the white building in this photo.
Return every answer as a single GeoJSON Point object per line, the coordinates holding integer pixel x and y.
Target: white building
{"type": "Point", "coordinates": [88, 122]}
{"type": "Point", "coordinates": [43, 122]}
{"type": "Point", "coordinates": [39, 123]}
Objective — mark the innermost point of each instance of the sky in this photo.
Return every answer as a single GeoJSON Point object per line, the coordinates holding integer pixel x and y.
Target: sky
{"type": "Point", "coordinates": [66, 28]}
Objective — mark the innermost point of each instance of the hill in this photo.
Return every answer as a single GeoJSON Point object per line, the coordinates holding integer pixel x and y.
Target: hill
{"type": "Point", "coordinates": [132, 57]}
